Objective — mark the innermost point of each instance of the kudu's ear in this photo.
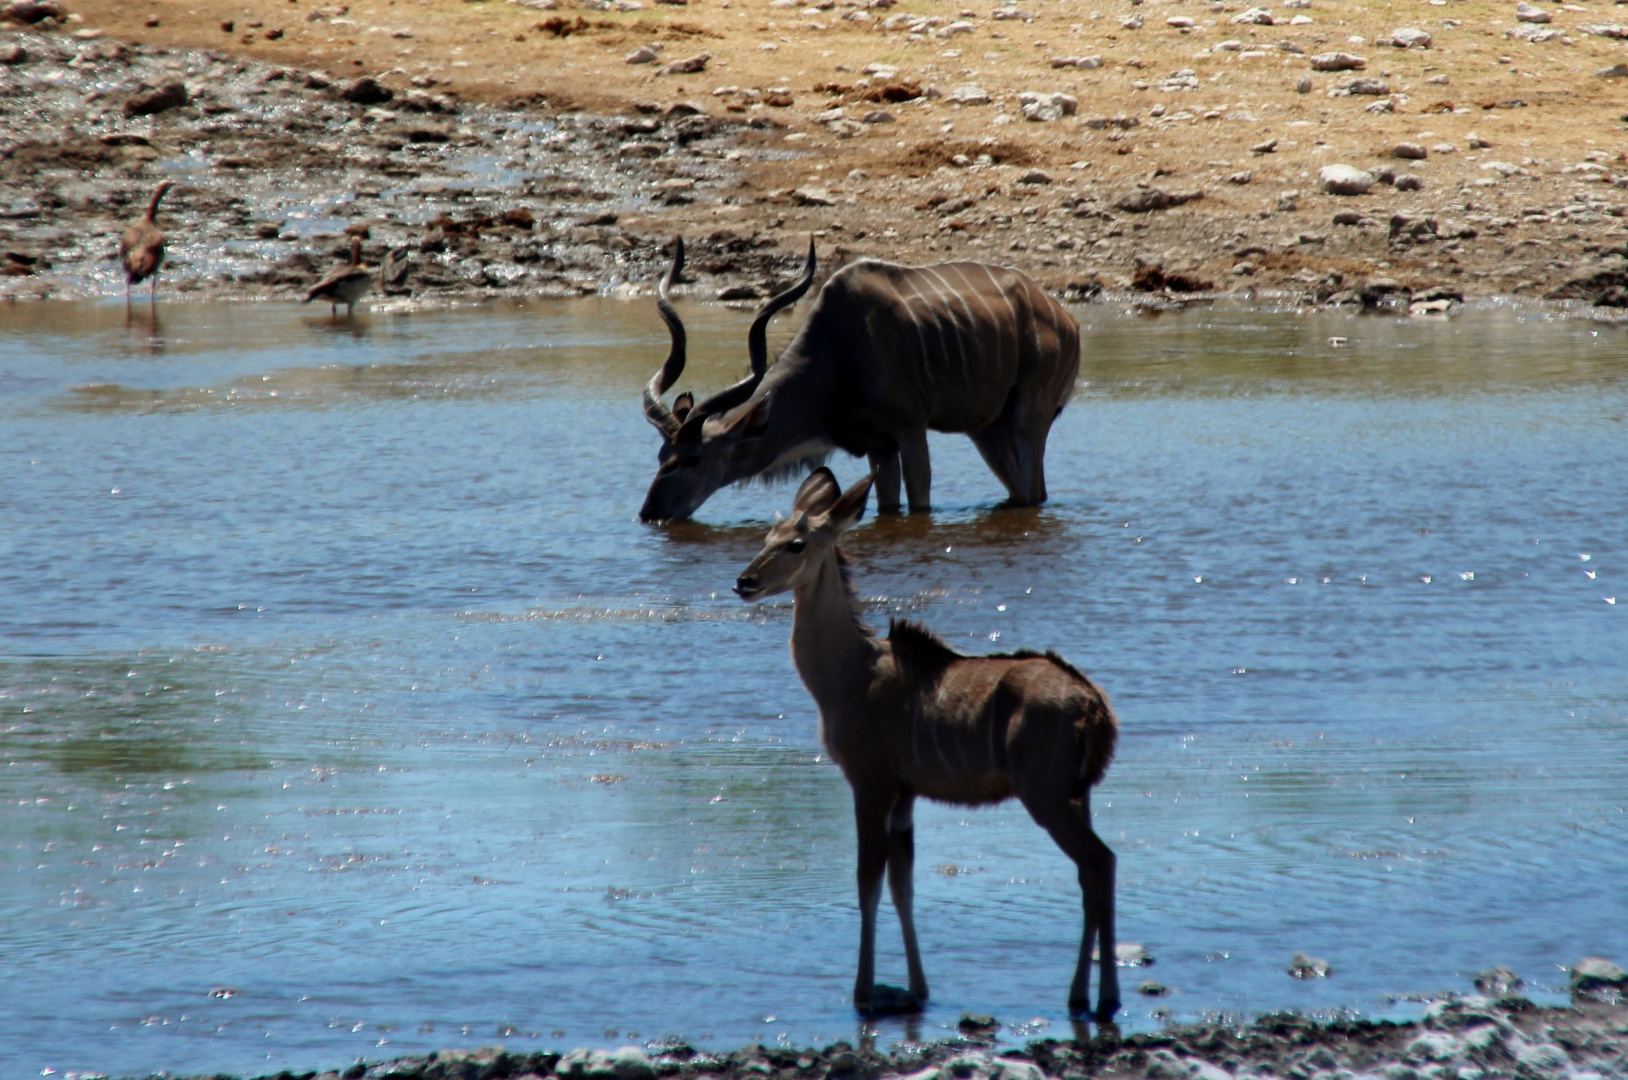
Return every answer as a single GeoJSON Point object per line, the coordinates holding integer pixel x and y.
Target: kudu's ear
{"type": "Point", "coordinates": [818, 492]}
{"type": "Point", "coordinates": [751, 421]}
{"type": "Point", "coordinates": [682, 405]}
{"type": "Point", "coordinates": [846, 511]}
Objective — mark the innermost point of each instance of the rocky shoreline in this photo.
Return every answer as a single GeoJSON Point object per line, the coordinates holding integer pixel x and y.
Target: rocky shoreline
{"type": "Point", "coordinates": [1456, 1038]}
{"type": "Point", "coordinates": [278, 167]}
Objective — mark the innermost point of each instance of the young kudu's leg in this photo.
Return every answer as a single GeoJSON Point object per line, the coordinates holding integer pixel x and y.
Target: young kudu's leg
{"type": "Point", "coordinates": [885, 464]}
{"type": "Point", "coordinates": [918, 470]}
{"type": "Point", "coordinates": [1069, 824]}
{"type": "Point", "coordinates": [901, 861]}
{"type": "Point", "coordinates": [871, 818]}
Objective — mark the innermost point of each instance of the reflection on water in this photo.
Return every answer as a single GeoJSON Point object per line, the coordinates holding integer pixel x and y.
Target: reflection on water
{"type": "Point", "coordinates": [337, 677]}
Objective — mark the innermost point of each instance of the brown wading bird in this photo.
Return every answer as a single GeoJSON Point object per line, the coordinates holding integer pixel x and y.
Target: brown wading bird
{"type": "Point", "coordinates": [344, 284]}
{"type": "Point", "coordinates": [141, 248]}
{"type": "Point", "coordinates": [910, 716]}
{"type": "Point", "coordinates": [887, 353]}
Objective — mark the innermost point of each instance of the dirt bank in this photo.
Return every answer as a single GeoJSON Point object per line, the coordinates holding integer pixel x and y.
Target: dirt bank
{"type": "Point", "coordinates": [1457, 1039]}
{"type": "Point", "coordinates": [1175, 151]}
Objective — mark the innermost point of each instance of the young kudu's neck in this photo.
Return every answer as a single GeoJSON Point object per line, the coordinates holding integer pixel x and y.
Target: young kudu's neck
{"type": "Point", "coordinates": [833, 650]}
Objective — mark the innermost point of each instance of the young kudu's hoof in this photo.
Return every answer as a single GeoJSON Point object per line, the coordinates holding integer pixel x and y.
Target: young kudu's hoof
{"type": "Point", "coordinates": [889, 1001]}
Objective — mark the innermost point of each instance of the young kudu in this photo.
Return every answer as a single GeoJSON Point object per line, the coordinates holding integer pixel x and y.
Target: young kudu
{"type": "Point", "coordinates": [887, 353]}
{"type": "Point", "coordinates": [909, 716]}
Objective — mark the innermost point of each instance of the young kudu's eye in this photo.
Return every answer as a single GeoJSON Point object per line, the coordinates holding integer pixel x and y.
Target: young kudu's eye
{"type": "Point", "coordinates": [796, 546]}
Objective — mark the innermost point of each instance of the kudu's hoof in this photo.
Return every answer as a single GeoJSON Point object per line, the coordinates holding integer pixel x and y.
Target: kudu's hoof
{"type": "Point", "coordinates": [1080, 1009]}
{"type": "Point", "coordinates": [889, 1001]}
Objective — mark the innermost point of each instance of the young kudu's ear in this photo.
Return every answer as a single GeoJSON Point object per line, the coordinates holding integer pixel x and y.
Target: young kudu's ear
{"type": "Point", "coordinates": [817, 494]}
{"type": "Point", "coordinates": [846, 511]}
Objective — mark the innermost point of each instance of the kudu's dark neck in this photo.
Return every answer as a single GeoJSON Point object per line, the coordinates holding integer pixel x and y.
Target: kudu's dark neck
{"type": "Point", "coordinates": [799, 385]}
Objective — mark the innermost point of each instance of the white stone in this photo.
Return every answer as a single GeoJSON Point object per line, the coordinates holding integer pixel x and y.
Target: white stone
{"type": "Point", "coordinates": [1345, 180]}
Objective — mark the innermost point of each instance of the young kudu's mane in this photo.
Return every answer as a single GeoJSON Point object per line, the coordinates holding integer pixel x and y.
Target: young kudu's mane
{"type": "Point", "coordinates": [856, 606]}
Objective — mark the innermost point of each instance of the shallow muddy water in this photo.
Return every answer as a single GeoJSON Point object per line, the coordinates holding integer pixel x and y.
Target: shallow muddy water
{"type": "Point", "coordinates": [347, 710]}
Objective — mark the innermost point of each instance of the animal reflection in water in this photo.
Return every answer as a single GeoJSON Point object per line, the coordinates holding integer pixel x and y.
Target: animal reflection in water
{"type": "Point", "coordinates": [887, 353]}
{"type": "Point", "coordinates": [909, 716]}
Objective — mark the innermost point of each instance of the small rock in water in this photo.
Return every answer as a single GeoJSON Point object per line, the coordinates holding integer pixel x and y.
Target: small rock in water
{"type": "Point", "coordinates": [1302, 966]}
{"type": "Point", "coordinates": [1498, 981]}
{"type": "Point", "coordinates": [1594, 973]}
{"type": "Point", "coordinates": [627, 1063]}
{"type": "Point", "coordinates": [1150, 988]}
{"type": "Point", "coordinates": [1127, 954]}
{"type": "Point", "coordinates": [978, 1024]}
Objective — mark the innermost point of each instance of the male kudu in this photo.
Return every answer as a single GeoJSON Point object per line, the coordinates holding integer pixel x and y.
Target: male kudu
{"type": "Point", "coordinates": [909, 716]}
{"type": "Point", "coordinates": [887, 353]}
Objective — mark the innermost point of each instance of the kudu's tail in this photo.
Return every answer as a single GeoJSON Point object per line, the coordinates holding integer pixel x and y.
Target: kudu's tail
{"type": "Point", "coordinates": [1099, 731]}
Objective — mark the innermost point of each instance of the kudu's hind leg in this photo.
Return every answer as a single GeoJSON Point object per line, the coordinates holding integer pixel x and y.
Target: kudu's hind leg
{"type": "Point", "coordinates": [901, 862]}
{"type": "Point", "coordinates": [1069, 824]}
{"type": "Point", "coordinates": [1014, 448]}
{"type": "Point", "coordinates": [885, 464]}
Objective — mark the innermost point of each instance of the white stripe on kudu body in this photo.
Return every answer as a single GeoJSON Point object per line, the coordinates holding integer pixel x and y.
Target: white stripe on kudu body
{"type": "Point", "coordinates": [886, 354]}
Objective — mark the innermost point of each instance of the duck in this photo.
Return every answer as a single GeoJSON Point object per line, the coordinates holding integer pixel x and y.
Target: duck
{"type": "Point", "coordinates": [141, 248]}
{"type": "Point", "coordinates": [344, 284]}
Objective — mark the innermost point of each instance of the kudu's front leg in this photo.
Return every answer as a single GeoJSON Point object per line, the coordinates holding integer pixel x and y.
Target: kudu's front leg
{"type": "Point", "coordinates": [870, 816]}
{"type": "Point", "coordinates": [901, 864]}
{"type": "Point", "coordinates": [917, 469]}
{"type": "Point", "coordinates": [885, 464]}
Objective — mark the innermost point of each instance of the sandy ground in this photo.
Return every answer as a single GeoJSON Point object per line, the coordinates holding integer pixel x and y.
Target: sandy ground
{"type": "Point", "coordinates": [1473, 1038]}
{"type": "Point", "coordinates": [1522, 187]}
